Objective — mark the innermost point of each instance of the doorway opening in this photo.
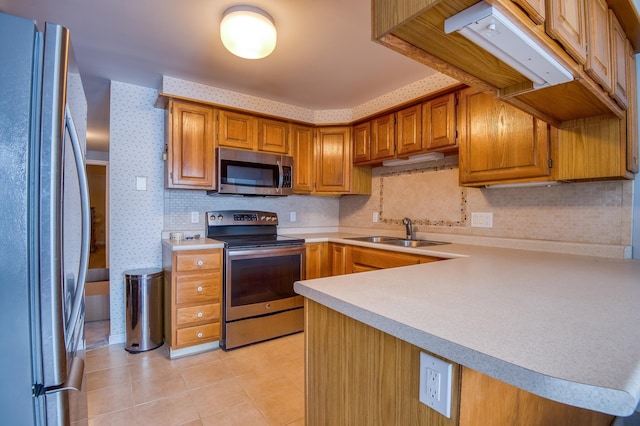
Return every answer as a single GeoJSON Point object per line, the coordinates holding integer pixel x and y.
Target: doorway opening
{"type": "Point", "coordinates": [97, 310]}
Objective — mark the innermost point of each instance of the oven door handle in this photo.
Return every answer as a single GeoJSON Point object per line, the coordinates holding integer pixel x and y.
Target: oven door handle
{"type": "Point", "coordinates": [280, 176]}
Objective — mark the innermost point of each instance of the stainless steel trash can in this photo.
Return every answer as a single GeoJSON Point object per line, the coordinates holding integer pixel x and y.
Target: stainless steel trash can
{"type": "Point", "coordinates": [144, 290]}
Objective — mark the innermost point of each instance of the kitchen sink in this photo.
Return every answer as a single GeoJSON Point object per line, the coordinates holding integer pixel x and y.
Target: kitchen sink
{"type": "Point", "coordinates": [373, 239]}
{"type": "Point", "coordinates": [413, 243]}
{"type": "Point", "coordinates": [398, 241]}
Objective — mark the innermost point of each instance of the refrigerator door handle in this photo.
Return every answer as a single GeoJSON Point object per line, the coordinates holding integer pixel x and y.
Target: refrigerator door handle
{"type": "Point", "coordinates": [74, 379]}
{"type": "Point", "coordinates": [86, 223]}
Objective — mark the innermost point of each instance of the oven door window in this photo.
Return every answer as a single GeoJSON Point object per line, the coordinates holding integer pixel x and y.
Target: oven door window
{"type": "Point", "coordinates": [264, 279]}
{"type": "Point", "coordinates": [241, 173]}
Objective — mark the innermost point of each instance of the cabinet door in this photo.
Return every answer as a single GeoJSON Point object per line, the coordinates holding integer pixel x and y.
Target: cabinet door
{"type": "Point", "coordinates": [409, 131]}
{"type": "Point", "coordinates": [333, 159]}
{"type": "Point", "coordinates": [566, 23]}
{"type": "Point", "coordinates": [498, 142]}
{"type": "Point", "coordinates": [620, 57]}
{"type": "Point", "coordinates": [338, 259]}
{"type": "Point", "coordinates": [362, 143]}
{"type": "Point", "coordinates": [317, 260]}
{"type": "Point", "coordinates": [632, 111]}
{"type": "Point", "coordinates": [273, 136]}
{"type": "Point", "coordinates": [236, 130]}
{"type": "Point", "coordinates": [190, 162]}
{"type": "Point", "coordinates": [383, 140]}
{"type": "Point", "coordinates": [303, 169]}
{"type": "Point", "coordinates": [598, 64]}
{"type": "Point", "coordinates": [439, 123]}
{"type": "Point", "coordinates": [534, 8]}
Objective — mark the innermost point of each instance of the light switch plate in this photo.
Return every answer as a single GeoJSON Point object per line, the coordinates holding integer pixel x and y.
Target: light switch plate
{"type": "Point", "coordinates": [141, 183]}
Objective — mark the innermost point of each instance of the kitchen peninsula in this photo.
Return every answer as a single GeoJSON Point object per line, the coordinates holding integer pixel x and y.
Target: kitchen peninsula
{"type": "Point", "coordinates": [549, 327]}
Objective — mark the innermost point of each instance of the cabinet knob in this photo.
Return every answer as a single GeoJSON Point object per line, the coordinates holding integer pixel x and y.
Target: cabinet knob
{"type": "Point", "coordinates": [200, 262]}
{"type": "Point", "coordinates": [200, 335]}
{"type": "Point", "coordinates": [199, 289]}
{"type": "Point", "coordinates": [199, 314]}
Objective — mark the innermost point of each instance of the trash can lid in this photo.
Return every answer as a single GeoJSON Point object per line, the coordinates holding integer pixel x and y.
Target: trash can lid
{"type": "Point", "coordinates": [143, 272]}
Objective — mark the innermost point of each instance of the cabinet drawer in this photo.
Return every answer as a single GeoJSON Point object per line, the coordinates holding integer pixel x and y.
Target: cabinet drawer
{"type": "Point", "coordinates": [198, 288]}
{"type": "Point", "coordinates": [198, 261]}
{"type": "Point", "coordinates": [210, 312]}
{"type": "Point", "coordinates": [198, 334]}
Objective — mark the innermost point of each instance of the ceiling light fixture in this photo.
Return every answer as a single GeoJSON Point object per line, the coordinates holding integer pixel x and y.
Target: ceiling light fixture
{"type": "Point", "coordinates": [248, 32]}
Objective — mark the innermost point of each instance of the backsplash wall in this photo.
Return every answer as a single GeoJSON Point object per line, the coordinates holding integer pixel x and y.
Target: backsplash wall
{"type": "Point", "coordinates": [310, 211]}
{"type": "Point", "coordinates": [585, 213]}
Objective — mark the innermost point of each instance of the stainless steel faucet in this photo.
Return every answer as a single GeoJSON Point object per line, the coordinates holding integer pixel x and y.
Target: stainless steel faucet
{"type": "Point", "coordinates": [407, 223]}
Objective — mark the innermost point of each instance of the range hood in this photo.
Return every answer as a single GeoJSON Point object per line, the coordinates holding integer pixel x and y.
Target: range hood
{"type": "Point", "coordinates": [490, 29]}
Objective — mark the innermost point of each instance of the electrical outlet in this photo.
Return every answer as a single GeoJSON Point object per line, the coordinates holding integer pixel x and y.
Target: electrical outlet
{"type": "Point", "coordinates": [195, 217]}
{"type": "Point", "coordinates": [481, 219]}
{"type": "Point", "coordinates": [375, 217]}
{"type": "Point", "coordinates": [292, 216]}
{"type": "Point", "coordinates": [435, 383]}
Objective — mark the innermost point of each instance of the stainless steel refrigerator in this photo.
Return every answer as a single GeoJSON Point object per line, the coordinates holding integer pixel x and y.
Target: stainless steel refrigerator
{"type": "Point", "coordinates": [44, 227]}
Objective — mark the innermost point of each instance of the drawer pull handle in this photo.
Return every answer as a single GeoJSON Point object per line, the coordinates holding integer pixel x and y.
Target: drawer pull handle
{"type": "Point", "coordinates": [199, 314]}
{"type": "Point", "coordinates": [199, 289]}
{"type": "Point", "coordinates": [200, 262]}
{"type": "Point", "coordinates": [200, 335]}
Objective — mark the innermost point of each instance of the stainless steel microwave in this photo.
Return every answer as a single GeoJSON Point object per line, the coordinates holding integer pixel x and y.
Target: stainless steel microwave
{"type": "Point", "coordinates": [253, 173]}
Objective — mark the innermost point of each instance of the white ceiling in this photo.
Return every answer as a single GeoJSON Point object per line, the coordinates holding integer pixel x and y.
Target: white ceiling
{"type": "Point", "coordinates": [324, 58]}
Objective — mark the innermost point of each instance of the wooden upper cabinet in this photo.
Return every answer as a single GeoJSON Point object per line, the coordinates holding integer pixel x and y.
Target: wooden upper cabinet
{"type": "Point", "coordinates": [620, 62]}
{"type": "Point", "coordinates": [534, 8]}
{"type": "Point", "coordinates": [362, 143]}
{"type": "Point", "coordinates": [303, 165]}
{"type": "Point", "coordinates": [632, 111]}
{"type": "Point", "coordinates": [273, 136]}
{"type": "Point", "coordinates": [598, 64]}
{"type": "Point", "coordinates": [237, 130]}
{"type": "Point", "coordinates": [333, 159]}
{"type": "Point", "coordinates": [498, 142]}
{"type": "Point", "coordinates": [566, 23]}
{"type": "Point", "coordinates": [190, 156]}
{"type": "Point", "coordinates": [409, 130]}
{"type": "Point", "coordinates": [439, 123]}
{"type": "Point", "coordinates": [383, 139]}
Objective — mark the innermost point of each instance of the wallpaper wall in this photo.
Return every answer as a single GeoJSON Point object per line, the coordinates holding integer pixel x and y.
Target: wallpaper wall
{"type": "Point", "coordinates": [136, 217]}
{"type": "Point", "coordinates": [189, 89]}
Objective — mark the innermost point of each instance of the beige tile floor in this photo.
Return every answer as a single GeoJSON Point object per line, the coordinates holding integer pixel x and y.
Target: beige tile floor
{"type": "Point", "coordinates": [262, 384]}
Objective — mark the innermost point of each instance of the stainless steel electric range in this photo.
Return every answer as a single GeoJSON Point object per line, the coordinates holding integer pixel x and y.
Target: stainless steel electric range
{"type": "Point", "coordinates": [260, 269]}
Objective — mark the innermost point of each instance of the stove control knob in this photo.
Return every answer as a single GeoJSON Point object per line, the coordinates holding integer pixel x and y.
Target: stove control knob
{"type": "Point", "coordinates": [219, 218]}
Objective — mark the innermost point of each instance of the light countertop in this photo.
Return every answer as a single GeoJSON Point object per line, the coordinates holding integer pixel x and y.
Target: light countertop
{"type": "Point", "coordinates": [564, 327]}
{"type": "Point", "coordinates": [193, 244]}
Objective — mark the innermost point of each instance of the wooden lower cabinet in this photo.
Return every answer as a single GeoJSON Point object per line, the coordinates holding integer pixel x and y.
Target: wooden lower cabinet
{"type": "Point", "coordinates": [193, 297]}
{"type": "Point", "coordinates": [361, 259]}
{"type": "Point", "coordinates": [338, 259]}
{"type": "Point", "coordinates": [317, 260]}
{"type": "Point", "coordinates": [358, 375]}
